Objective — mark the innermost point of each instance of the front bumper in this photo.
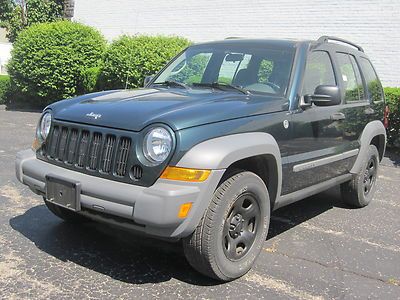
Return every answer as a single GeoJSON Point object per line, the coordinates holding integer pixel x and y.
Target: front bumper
{"type": "Point", "coordinates": [152, 210]}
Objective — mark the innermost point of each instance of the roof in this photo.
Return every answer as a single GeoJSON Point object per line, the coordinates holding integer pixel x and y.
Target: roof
{"type": "Point", "coordinates": [275, 43]}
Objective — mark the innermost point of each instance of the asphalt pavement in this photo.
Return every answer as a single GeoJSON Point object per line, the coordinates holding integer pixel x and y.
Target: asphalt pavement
{"type": "Point", "coordinates": [316, 249]}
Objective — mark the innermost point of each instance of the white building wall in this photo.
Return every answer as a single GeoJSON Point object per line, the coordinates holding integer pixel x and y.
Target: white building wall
{"type": "Point", "coordinates": [374, 24]}
{"type": "Point", "coordinates": [5, 49]}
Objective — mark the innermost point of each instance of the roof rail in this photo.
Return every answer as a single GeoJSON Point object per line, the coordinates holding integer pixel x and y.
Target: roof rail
{"type": "Point", "coordinates": [326, 39]}
{"type": "Point", "coordinates": [233, 37]}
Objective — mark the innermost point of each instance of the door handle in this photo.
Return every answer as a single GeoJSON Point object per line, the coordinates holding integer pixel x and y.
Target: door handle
{"type": "Point", "coordinates": [338, 116]}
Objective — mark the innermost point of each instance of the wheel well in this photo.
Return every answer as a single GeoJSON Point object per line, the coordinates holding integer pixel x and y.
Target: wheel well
{"type": "Point", "coordinates": [264, 166]}
{"type": "Point", "coordinates": [379, 142]}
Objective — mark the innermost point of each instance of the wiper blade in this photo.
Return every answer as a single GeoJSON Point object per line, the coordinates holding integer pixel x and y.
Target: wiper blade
{"type": "Point", "coordinates": [234, 87]}
{"type": "Point", "coordinates": [222, 86]}
{"type": "Point", "coordinates": [173, 83]}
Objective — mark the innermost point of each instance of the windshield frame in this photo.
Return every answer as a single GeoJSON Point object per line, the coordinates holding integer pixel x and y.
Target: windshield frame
{"type": "Point", "coordinates": [292, 51]}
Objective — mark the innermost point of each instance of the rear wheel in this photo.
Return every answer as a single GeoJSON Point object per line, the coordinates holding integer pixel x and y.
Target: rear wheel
{"type": "Point", "coordinates": [65, 214]}
{"type": "Point", "coordinates": [360, 190]}
{"type": "Point", "coordinates": [232, 231]}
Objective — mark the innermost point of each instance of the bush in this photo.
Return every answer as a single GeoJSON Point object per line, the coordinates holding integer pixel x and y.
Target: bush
{"type": "Point", "coordinates": [48, 60]}
{"type": "Point", "coordinates": [130, 59]}
{"type": "Point", "coordinates": [90, 80]}
{"type": "Point", "coordinates": [392, 96]}
{"type": "Point", "coordinates": [4, 86]}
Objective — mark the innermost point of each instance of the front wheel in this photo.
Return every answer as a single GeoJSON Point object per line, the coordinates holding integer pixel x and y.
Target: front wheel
{"type": "Point", "coordinates": [359, 191]}
{"type": "Point", "coordinates": [233, 229]}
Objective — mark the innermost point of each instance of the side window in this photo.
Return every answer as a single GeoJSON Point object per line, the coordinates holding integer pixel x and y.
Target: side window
{"type": "Point", "coordinates": [265, 70]}
{"type": "Point", "coordinates": [351, 76]}
{"type": "Point", "coordinates": [231, 65]}
{"type": "Point", "coordinates": [319, 71]}
{"type": "Point", "coordinates": [375, 92]}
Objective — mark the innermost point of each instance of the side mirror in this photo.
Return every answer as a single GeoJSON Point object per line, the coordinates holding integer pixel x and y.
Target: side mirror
{"type": "Point", "coordinates": [147, 80]}
{"type": "Point", "coordinates": [324, 95]}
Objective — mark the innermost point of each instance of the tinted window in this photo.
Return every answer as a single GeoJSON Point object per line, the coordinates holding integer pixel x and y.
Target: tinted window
{"type": "Point", "coordinates": [231, 65]}
{"type": "Point", "coordinates": [374, 85]}
{"type": "Point", "coordinates": [319, 71]}
{"type": "Point", "coordinates": [265, 71]}
{"type": "Point", "coordinates": [351, 76]}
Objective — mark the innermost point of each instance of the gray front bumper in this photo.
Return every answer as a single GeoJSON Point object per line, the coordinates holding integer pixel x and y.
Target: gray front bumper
{"type": "Point", "coordinates": [153, 210]}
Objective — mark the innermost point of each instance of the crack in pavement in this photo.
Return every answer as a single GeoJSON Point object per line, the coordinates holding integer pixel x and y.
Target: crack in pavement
{"type": "Point", "coordinates": [390, 281]}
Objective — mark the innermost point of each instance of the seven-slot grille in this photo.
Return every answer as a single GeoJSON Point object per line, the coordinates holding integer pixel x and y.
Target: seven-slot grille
{"type": "Point", "coordinates": [94, 151]}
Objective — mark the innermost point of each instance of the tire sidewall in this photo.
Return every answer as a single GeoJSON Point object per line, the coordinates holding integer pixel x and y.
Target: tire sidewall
{"type": "Point", "coordinates": [248, 182]}
{"type": "Point", "coordinates": [366, 199]}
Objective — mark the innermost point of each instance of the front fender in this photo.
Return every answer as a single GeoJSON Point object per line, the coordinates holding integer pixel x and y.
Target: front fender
{"type": "Point", "coordinates": [220, 153]}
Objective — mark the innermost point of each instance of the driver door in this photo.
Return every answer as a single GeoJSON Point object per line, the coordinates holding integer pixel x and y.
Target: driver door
{"type": "Point", "coordinates": [316, 134]}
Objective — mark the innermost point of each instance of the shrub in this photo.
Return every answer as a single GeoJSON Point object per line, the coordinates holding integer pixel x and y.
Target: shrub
{"type": "Point", "coordinates": [392, 96]}
{"type": "Point", "coordinates": [47, 60]}
{"type": "Point", "coordinates": [90, 80]}
{"type": "Point", "coordinates": [4, 86]}
{"type": "Point", "coordinates": [131, 58]}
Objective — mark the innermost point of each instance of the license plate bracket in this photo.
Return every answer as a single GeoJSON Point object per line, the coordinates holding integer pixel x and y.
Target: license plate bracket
{"type": "Point", "coordinates": [63, 192]}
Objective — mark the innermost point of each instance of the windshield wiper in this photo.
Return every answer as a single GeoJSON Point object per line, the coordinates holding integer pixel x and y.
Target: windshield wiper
{"type": "Point", "coordinates": [173, 83]}
{"type": "Point", "coordinates": [222, 86]}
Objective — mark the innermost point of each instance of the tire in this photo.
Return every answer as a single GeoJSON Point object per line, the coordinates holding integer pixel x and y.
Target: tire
{"type": "Point", "coordinates": [233, 229]}
{"type": "Point", "coordinates": [359, 191]}
{"type": "Point", "coordinates": [65, 214]}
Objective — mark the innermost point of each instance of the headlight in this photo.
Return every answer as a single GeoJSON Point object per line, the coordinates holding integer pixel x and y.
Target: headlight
{"type": "Point", "coordinates": [44, 126]}
{"type": "Point", "coordinates": [157, 145]}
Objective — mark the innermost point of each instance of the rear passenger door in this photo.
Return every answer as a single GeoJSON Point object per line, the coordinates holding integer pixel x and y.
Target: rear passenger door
{"type": "Point", "coordinates": [356, 106]}
{"type": "Point", "coordinates": [363, 97]}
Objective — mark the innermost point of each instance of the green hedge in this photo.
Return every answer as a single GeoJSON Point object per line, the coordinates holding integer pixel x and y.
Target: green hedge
{"type": "Point", "coordinates": [4, 87]}
{"type": "Point", "coordinates": [130, 58]}
{"type": "Point", "coordinates": [49, 60]}
{"type": "Point", "coordinates": [392, 96]}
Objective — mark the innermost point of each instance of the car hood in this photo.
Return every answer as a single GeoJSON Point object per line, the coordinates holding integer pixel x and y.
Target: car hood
{"type": "Point", "coordinates": [176, 107]}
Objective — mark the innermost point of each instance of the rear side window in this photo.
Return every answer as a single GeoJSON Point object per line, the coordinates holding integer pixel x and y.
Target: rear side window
{"type": "Point", "coordinates": [231, 65]}
{"type": "Point", "coordinates": [375, 92]}
{"type": "Point", "coordinates": [319, 71]}
{"type": "Point", "coordinates": [351, 76]}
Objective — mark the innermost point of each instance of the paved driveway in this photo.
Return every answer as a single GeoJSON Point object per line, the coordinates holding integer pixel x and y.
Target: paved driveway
{"type": "Point", "coordinates": [317, 248]}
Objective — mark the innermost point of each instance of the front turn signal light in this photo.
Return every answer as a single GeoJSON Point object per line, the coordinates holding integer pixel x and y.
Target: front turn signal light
{"type": "Point", "coordinates": [184, 174]}
{"type": "Point", "coordinates": [36, 144]}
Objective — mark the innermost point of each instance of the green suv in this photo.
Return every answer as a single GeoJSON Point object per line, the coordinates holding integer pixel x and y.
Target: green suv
{"type": "Point", "coordinates": [226, 133]}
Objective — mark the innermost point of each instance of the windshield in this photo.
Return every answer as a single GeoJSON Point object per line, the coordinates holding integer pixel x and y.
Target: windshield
{"type": "Point", "coordinates": [239, 68]}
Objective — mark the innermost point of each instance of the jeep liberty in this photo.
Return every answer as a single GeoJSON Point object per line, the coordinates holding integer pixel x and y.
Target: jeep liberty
{"type": "Point", "coordinates": [226, 133]}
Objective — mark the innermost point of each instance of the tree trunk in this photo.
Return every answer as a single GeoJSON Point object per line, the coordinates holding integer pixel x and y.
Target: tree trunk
{"type": "Point", "coordinates": [69, 9]}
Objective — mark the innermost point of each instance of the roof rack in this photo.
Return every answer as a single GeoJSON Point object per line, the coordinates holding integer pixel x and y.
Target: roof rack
{"type": "Point", "coordinates": [326, 39]}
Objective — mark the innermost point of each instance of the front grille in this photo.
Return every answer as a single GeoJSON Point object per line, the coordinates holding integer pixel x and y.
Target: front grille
{"type": "Point", "coordinates": [122, 157]}
{"type": "Point", "coordinates": [89, 150]}
{"type": "Point", "coordinates": [107, 154]}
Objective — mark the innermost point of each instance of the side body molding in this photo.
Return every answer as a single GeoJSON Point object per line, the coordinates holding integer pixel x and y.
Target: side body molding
{"type": "Point", "coordinates": [221, 152]}
{"type": "Point", "coordinates": [371, 130]}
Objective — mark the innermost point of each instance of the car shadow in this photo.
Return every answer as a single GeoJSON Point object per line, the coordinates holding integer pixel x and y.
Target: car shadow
{"type": "Point", "coordinates": [294, 214]}
{"type": "Point", "coordinates": [134, 258]}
